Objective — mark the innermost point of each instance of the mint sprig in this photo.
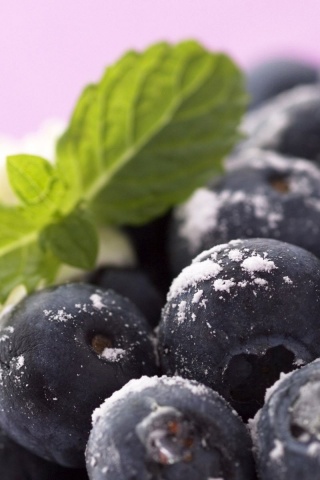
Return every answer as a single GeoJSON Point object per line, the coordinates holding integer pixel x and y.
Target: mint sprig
{"type": "Point", "coordinates": [154, 128]}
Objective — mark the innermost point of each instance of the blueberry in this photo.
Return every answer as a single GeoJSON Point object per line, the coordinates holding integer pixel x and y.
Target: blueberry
{"type": "Point", "coordinates": [262, 195]}
{"type": "Point", "coordinates": [286, 431]}
{"type": "Point", "coordinates": [17, 463]}
{"type": "Point", "coordinates": [239, 315]}
{"type": "Point", "coordinates": [167, 428]}
{"type": "Point", "coordinates": [63, 350]}
{"type": "Point", "coordinates": [269, 78]}
{"type": "Point", "coordinates": [288, 124]}
{"type": "Point", "coordinates": [134, 284]}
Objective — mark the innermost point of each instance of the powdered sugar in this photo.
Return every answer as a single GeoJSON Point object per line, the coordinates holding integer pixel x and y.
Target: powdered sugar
{"type": "Point", "coordinates": [211, 267]}
{"type": "Point", "coordinates": [97, 301]}
{"type": "Point", "coordinates": [287, 280]}
{"type": "Point", "coordinates": [260, 281]}
{"type": "Point", "coordinates": [278, 450]}
{"type": "Point", "coordinates": [314, 449]}
{"type": "Point", "coordinates": [143, 383]}
{"type": "Point", "coordinates": [275, 386]}
{"type": "Point", "coordinates": [113, 354]}
{"type": "Point", "coordinates": [182, 311]}
{"type": "Point", "coordinates": [192, 275]}
{"type": "Point", "coordinates": [197, 296]}
{"type": "Point", "coordinates": [200, 214]}
{"type": "Point", "coordinates": [221, 285]}
{"type": "Point", "coordinates": [20, 362]}
{"type": "Point", "coordinates": [256, 263]}
{"type": "Point", "coordinates": [235, 255]}
{"type": "Point", "coordinates": [60, 315]}
{"type": "Point", "coordinates": [197, 216]}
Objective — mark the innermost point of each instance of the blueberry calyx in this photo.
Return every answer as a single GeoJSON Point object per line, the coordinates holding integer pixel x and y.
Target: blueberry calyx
{"type": "Point", "coordinates": [167, 436]}
{"type": "Point", "coordinates": [100, 342]}
{"type": "Point", "coordinates": [286, 431]}
{"type": "Point", "coordinates": [251, 371]}
{"type": "Point", "coordinates": [305, 419]}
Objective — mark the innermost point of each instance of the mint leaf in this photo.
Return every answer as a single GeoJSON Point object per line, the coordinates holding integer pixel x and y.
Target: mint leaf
{"type": "Point", "coordinates": [77, 155]}
{"type": "Point", "coordinates": [36, 184]}
{"type": "Point", "coordinates": [31, 177]}
{"type": "Point", "coordinates": [73, 240]}
{"type": "Point", "coordinates": [161, 123]}
{"type": "Point", "coordinates": [22, 260]}
{"type": "Point", "coordinates": [155, 127]}
{"type": "Point", "coordinates": [26, 265]}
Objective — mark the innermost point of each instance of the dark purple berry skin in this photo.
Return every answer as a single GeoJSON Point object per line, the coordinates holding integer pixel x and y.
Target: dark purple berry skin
{"type": "Point", "coordinates": [261, 195]}
{"type": "Point", "coordinates": [239, 315]}
{"type": "Point", "coordinates": [288, 124]}
{"type": "Point", "coordinates": [150, 243]}
{"type": "Point", "coordinates": [63, 350]}
{"type": "Point", "coordinates": [169, 429]}
{"type": "Point", "coordinates": [286, 430]}
{"type": "Point", "coordinates": [134, 284]}
{"type": "Point", "coordinates": [271, 77]}
{"type": "Point", "coordinates": [17, 463]}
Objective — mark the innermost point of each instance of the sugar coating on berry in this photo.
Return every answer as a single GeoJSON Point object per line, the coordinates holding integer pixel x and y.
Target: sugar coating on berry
{"type": "Point", "coordinates": [271, 197]}
{"type": "Point", "coordinates": [278, 450]}
{"type": "Point", "coordinates": [236, 255]}
{"type": "Point", "coordinates": [97, 301]}
{"type": "Point", "coordinates": [20, 362]}
{"type": "Point", "coordinates": [139, 385]}
{"type": "Point", "coordinates": [59, 315]}
{"type": "Point", "coordinates": [287, 280]}
{"type": "Point", "coordinates": [113, 354]}
{"type": "Point", "coordinates": [221, 285]}
{"type": "Point", "coordinates": [256, 263]}
{"type": "Point", "coordinates": [266, 124]}
{"type": "Point", "coordinates": [203, 268]}
{"type": "Point", "coordinates": [182, 311]}
{"type": "Point", "coordinates": [197, 296]}
{"type": "Point", "coordinates": [275, 386]}
{"type": "Point", "coordinates": [314, 449]}
{"type": "Point", "coordinates": [192, 275]}
{"type": "Point", "coordinates": [200, 214]}
{"type": "Point", "coordinates": [258, 160]}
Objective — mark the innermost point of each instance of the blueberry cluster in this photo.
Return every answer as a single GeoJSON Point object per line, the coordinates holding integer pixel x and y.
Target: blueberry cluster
{"type": "Point", "coordinates": [203, 362]}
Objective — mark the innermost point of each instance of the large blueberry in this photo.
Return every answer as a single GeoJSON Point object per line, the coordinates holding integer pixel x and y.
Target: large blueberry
{"type": "Point", "coordinates": [63, 350]}
{"type": "Point", "coordinates": [288, 124]}
{"type": "Point", "coordinates": [262, 195]}
{"type": "Point", "coordinates": [286, 432]}
{"type": "Point", "coordinates": [276, 75]}
{"type": "Point", "coordinates": [239, 315]}
{"type": "Point", "coordinates": [17, 463]}
{"type": "Point", "coordinates": [168, 428]}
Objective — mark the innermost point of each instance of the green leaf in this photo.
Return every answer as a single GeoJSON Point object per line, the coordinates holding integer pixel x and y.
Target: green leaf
{"type": "Point", "coordinates": [22, 260]}
{"type": "Point", "coordinates": [77, 155]}
{"type": "Point", "coordinates": [73, 240]}
{"type": "Point", "coordinates": [162, 122]}
{"type": "Point", "coordinates": [31, 177]}
{"type": "Point", "coordinates": [35, 182]}
{"type": "Point", "coordinates": [155, 127]}
{"type": "Point", "coordinates": [27, 265]}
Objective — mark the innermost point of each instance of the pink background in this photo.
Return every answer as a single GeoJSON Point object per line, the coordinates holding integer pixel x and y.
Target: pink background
{"type": "Point", "coordinates": [49, 49]}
